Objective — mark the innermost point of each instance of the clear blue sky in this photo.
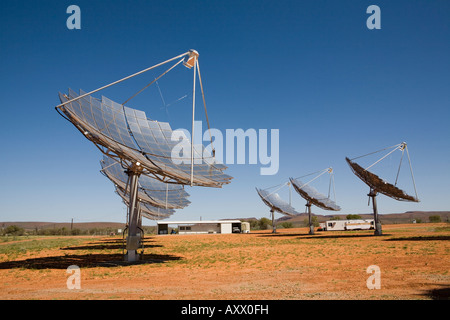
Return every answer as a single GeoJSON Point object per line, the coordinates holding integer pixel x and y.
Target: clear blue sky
{"type": "Point", "coordinates": [311, 69]}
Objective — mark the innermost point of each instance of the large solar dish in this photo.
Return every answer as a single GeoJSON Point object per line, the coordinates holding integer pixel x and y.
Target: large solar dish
{"type": "Point", "coordinates": [378, 184]}
{"type": "Point", "coordinates": [127, 134]}
{"type": "Point", "coordinates": [144, 148]}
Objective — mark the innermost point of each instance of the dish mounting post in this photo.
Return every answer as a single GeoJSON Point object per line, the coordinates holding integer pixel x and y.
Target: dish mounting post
{"type": "Point", "coordinates": [191, 61]}
{"type": "Point", "coordinates": [373, 194]}
{"type": "Point", "coordinates": [274, 227]}
{"type": "Point", "coordinates": [308, 209]}
{"type": "Point", "coordinates": [134, 235]}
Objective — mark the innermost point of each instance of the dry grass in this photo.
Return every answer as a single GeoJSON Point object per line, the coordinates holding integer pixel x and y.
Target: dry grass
{"type": "Point", "coordinates": [413, 259]}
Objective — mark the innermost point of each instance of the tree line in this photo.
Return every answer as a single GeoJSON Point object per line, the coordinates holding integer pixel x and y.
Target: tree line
{"type": "Point", "coordinates": [14, 230]}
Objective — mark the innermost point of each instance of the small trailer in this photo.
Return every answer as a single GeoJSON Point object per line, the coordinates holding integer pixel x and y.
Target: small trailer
{"type": "Point", "coordinates": [342, 225]}
{"type": "Point", "coordinates": [245, 227]}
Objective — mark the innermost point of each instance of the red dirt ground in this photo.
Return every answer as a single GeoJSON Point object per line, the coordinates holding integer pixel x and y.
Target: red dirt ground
{"type": "Point", "coordinates": [413, 260]}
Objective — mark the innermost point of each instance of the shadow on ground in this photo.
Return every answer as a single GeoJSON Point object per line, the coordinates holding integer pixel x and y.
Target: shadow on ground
{"type": "Point", "coordinates": [110, 244]}
{"type": "Point", "coordinates": [442, 293]}
{"type": "Point", "coordinates": [84, 261]}
{"type": "Point", "coordinates": [321, 236]}
{"type": "Point", "coordinates": [91, 260]}
{"type": "Point", "coordinates": [424, 238]}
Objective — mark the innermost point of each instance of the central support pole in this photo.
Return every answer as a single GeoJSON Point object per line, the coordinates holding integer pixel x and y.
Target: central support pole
{"type": "Point", "coordinates": [274, 227]}
{"type": "Point", "coordinates": [311, 225]}
{"type": "Point", "coordinates": [373, 195]}
{"type": "Point", "coordinates": [193, 122]}
{"type": "Point", "coordinates": [134, 237]}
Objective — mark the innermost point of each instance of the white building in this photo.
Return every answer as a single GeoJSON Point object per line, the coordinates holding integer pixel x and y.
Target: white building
{"type": "Point", "coordinates": [207, 226]}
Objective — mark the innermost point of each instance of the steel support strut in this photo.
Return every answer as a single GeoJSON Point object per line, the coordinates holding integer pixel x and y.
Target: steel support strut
{"type": "Point", "coordinates": [274, 228]}
{"type": "Point", "coordinates": [134, 237]}
{"type": "Point", "coordinates": [373, 195]}
{"type": "Point", "coordinates": [311, 225]}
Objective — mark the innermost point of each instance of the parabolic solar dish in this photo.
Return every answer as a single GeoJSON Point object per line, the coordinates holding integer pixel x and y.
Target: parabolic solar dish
{"type": "Point", "coordinates": [128, 134]}
{"type": "Point", "coordinates": [378, 184]}
{"type": "Point", "coordinates": [313, 196]}
{"type": "Point", "coordinates": [274, 201]}
{"type": "Point", "coordinates": [150, 190]}
{"type": "Point", "coordinates": [144, 148]}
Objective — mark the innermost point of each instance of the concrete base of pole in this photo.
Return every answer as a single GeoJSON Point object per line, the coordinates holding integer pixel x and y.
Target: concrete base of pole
{"type": "Point", "coordinates": [132, 246]}
{"type": "Point", "coordinates": [378, 231]}
{"type": "Point", "coordinates": [131, 256]}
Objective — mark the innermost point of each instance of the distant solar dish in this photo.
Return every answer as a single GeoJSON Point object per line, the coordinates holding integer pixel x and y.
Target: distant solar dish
{"type": "Point", "coordinates": [142, 145]}
{"type": "Point", "coordinates": [378, 185]}
{"type": "Point", "coordinates": [275, 203]}
{"type": "Point", "coordinates": [314, 197]}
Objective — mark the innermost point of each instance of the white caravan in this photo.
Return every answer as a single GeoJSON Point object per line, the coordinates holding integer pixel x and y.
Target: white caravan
{"type": "Point", "coordinates": [341, 225]}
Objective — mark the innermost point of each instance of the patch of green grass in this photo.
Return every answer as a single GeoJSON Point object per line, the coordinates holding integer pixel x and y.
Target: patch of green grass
{"type": "Point", "coordinates": [17, 238]}
{"type": "Point", "coordinates": [441, 229]}
{"type": "Point", "coordinates": [16, 249]}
